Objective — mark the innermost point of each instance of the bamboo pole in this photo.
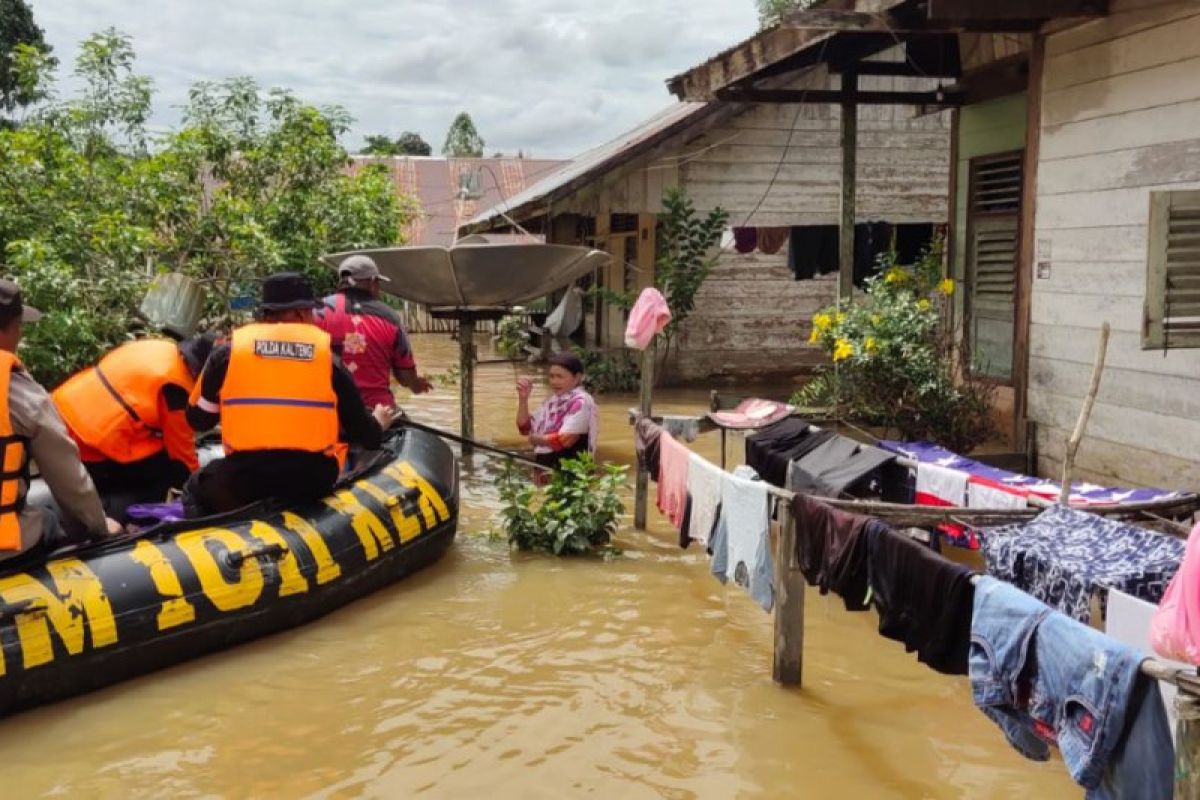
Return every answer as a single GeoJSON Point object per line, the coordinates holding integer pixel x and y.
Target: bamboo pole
{"type": "Point", "coordinates": [1064, 495]}
{"type": "Point", "coordinates": [645, 404]}
{"type": "Point", "coordinates": [788, 667]}
{"type": "Point", "coordinates": [1187, 747]}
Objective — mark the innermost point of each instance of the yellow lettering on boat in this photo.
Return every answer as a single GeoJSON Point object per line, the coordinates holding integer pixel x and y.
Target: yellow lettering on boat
{"type": "Point", "coordinates": [176, 610]}
{"type": "Point", "coordinates": [369, 528]}
{"type": "Point", "coordinates": [75, 606]}
{"type": "Point", "coordinates": [433, 508]}
{"type": "Point", "coordinates": [291, 579]}
{"type": "Point", "coordinates": [327, 568]}
{"type": "Point", "coordinates": [408, 527]}
{"type": "Point", "coordinates": [226, 595]}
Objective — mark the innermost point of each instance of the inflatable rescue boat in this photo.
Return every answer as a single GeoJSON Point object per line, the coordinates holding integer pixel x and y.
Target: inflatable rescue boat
{"type": "Point", "coordinates": [97, 614]}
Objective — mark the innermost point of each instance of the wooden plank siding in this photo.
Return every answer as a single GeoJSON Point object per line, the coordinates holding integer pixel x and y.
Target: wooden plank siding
{"type": "Point", "coordinates": [778, 165]}
{"type": "Point", "coordinates": [1121, 118]}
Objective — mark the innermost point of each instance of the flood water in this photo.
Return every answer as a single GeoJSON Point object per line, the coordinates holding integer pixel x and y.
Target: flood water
{"type": "Point", "coordinates": [506, 675]}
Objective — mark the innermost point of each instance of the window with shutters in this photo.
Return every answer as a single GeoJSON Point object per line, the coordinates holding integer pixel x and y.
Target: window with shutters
{"type": "Point", "coordinates": [993, 220]}
{"type": "Point", "coordinates": [1172, 311]}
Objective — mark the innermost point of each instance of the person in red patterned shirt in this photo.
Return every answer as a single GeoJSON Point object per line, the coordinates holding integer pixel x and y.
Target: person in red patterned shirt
{"type": "Point", "coordinates": [367, 334]}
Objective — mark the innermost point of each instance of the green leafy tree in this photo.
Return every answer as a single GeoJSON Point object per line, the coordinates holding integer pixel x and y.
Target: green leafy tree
{"type": "Point", "coordinates": [686, 242]}
{"type": "Point", "coordinates": [410, 143]}
{"type": "Point", "coordinates": [92, 206]}
{"type": "Point", "coordinates": [462, 140]}
{"type": "Point", "coordinates": [17, 29]}
{"type": "Point", "coordinates": [772, 12]}
{"type": "Point", "coordinates": [378, 145]}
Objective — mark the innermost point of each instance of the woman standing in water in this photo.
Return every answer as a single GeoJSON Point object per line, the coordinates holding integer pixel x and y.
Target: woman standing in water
{"type": "Point", "coordinates": [566, 424]}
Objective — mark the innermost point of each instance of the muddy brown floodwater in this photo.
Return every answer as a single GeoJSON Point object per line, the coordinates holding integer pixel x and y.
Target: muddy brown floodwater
{"type": "Point", "coordinates": [501, 675]}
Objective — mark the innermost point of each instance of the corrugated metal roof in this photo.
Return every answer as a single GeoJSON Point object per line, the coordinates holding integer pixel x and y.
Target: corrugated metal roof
{"type": "Point", "coordinates": [597, 160]}
{"type": "Point", "coordinates": [434, 181]}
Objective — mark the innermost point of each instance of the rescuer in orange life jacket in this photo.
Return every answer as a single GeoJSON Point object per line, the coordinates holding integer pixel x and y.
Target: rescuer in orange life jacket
{"type": "Point", "coordinates": [128, 416]}
{"type": "Point", "coordinates": [280, 396]}
{"type": "Point", "coordinates": [30, 429]}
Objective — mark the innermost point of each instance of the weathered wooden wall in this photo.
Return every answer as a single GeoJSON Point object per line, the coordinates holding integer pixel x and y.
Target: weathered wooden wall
{"type": "Point", "coordinates": [778, 165]}
{"type": "Point", "coordinates": [1121, 118]}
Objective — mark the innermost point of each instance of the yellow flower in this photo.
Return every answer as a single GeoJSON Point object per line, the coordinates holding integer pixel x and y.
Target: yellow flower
{"type": "Point", "coordinates": [923, 304]}
{"type": "Point", "coordinates": [821, 322]}
{"type": "Point", "coordinates": [876, 319]}
{"type": "Point", "coordinates": [946, 287]}
{"type": "Point", "coordinates": [869, 344]}
{"type": "Point", "coordinates": [814, 336]}
{"type": "Point", "coordinates": [842, 350]}
{"type": "Point", "coordinates": [895, 275]}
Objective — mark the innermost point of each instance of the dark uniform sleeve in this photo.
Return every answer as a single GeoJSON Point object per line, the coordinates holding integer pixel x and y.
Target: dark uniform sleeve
{"type": "Point", "coordinates": [204, 409]}
{"type": "Point", "coordinates": [359, 426]}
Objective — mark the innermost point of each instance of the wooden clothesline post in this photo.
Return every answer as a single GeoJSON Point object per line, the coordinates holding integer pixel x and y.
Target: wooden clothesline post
{"type": "Point", "coordinates": [1187, 746]}
{"type": "Point", "coordinates": [645, 404]}
{"type": "Point", "coordinates": [788, 660]}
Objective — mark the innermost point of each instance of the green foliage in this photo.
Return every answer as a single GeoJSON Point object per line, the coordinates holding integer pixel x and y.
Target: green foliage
{"type": "Point", "coordinates": [462, 140]}
{"type": "Point", "coordinates": [20, 37]}
{"type": "Point", "coordinates": [408, 143]}
{"type": "Point", "coordinates": [604, 372]}
{"type": "Point", "coordinates": [512, 335]}
{"type": "Point", "coordinates": [92, 206]}
{"type": "Point", "coordinates": [772, 12]}
{"type": "Point", "coordinates": [575, 514]}
{"type": "Point", "coordinates": [893, 359]}
{"type": "Point", "coordinates": [685, 254]}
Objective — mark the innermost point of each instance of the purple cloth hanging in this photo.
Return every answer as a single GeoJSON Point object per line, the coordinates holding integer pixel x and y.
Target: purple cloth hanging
{"type": "Point", "coordinates": [745, 239]}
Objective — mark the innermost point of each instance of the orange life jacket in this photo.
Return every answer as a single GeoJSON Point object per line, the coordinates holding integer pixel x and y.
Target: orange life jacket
{"type": "Point", "coordinates": [278, 393]}
{"type": "Point", "coordinates": [14, 463]}
{"type": "Point", "coordinates": [112, 408]}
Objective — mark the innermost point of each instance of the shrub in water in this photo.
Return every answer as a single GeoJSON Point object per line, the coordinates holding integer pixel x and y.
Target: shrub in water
{"type": "Point", "coordinates": [576, 513]}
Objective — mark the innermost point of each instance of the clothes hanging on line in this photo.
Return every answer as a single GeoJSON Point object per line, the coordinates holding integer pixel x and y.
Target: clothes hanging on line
{"type": "Point", "coordinates": [924, 600]}
{"type": "Point", "coordinates": [1175, 630]}
{"type": "Point", "coordinates": [681, 427]}
{"type": "Point", "coordinates": [812, 250]}
{"type": "Point", "coordinates": [1081, 493]}
{"type": "Point", "coordinates": [646, 436]}
{"type": "Point", "coordinates": [741, 544]}
{"type": "Point", "coordinates": [772, 240]}
{"type": "Point", "coordinates": [984, 493]}
{"type": "Point", "coordinates": [770, 451]}
{"type": "Point", "coordinates": [1045, 678]}
{"type": "Point", "coordinates": [704, 487]}
{"type": "Point", "coordinates": [828, 469]}
{"type": "Point", "coordinates": [945, 487]}
{"type": "Point", "coordinates": [672, 479]}
{"type": "Point", "coordinates": [1064, 557]}
{"type": "Point", "coordinates": [745, 240]}
{"type": "Point", "coordinates": [831, 550]}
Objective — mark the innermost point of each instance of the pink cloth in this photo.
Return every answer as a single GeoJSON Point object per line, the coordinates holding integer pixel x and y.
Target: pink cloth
{"type": "Point", "coordinates": [648, 317]}
{"type": "Point", "coordinates": [752, 413]}
{"type": "Point", "coordinates": [1175, 629]}
{"type": "Point", "coordinates": [673, 461]}
{"type": "Point", "coordinates": [570, 412]}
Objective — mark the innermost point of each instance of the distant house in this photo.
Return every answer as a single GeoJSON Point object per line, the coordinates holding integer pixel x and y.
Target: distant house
{"type": "Point", "coordinates": [453, 190]}
{"type": "Point", "coordinates": [1076, 197]}
{"type": "Point", "coordinates": [776, 169]}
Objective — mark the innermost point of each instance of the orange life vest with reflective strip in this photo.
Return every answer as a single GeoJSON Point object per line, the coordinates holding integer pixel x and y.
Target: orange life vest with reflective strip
{"type": "Point", "coordinates": [278, 393]}
{"type": "Point", "coordinates": [14, 463]}
{"type": "Point", "coordinates": [113, 407]}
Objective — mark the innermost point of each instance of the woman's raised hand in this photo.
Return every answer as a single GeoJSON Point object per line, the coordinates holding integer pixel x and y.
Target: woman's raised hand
{"type": "Point", "coordinates": [524, 388]}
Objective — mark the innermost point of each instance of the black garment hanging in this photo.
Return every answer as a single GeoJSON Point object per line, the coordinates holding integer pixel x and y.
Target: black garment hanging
{"type": "Point", "coordinates": [826, 470]}
{"type": "Point", "coordinates": [770, 451]}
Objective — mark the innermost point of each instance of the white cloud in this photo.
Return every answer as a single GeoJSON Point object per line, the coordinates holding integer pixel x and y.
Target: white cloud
{"type": "Point", "coordinates": [551, 77]}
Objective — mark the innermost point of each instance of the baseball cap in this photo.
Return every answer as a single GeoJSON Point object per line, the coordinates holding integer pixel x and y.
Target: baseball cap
{"type": "Point", "coordinates": [11, 305]}
{"type": "Point", "coordinates": [284, 291]}
{"type": "Point", "coordinates": [360, 269]}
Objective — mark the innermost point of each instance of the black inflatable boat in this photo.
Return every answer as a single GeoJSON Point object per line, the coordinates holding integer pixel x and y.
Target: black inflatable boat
{"type": "Point", "coordinates": [95, 615]}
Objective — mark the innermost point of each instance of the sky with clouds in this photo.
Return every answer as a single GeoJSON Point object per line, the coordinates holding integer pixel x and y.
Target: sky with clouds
{"type": "Point", "coordinates": [551, 77]}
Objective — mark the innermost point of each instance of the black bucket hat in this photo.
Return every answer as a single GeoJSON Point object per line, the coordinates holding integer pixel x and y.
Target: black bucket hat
{"type": "Point", "coordinates": [285, 291]}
